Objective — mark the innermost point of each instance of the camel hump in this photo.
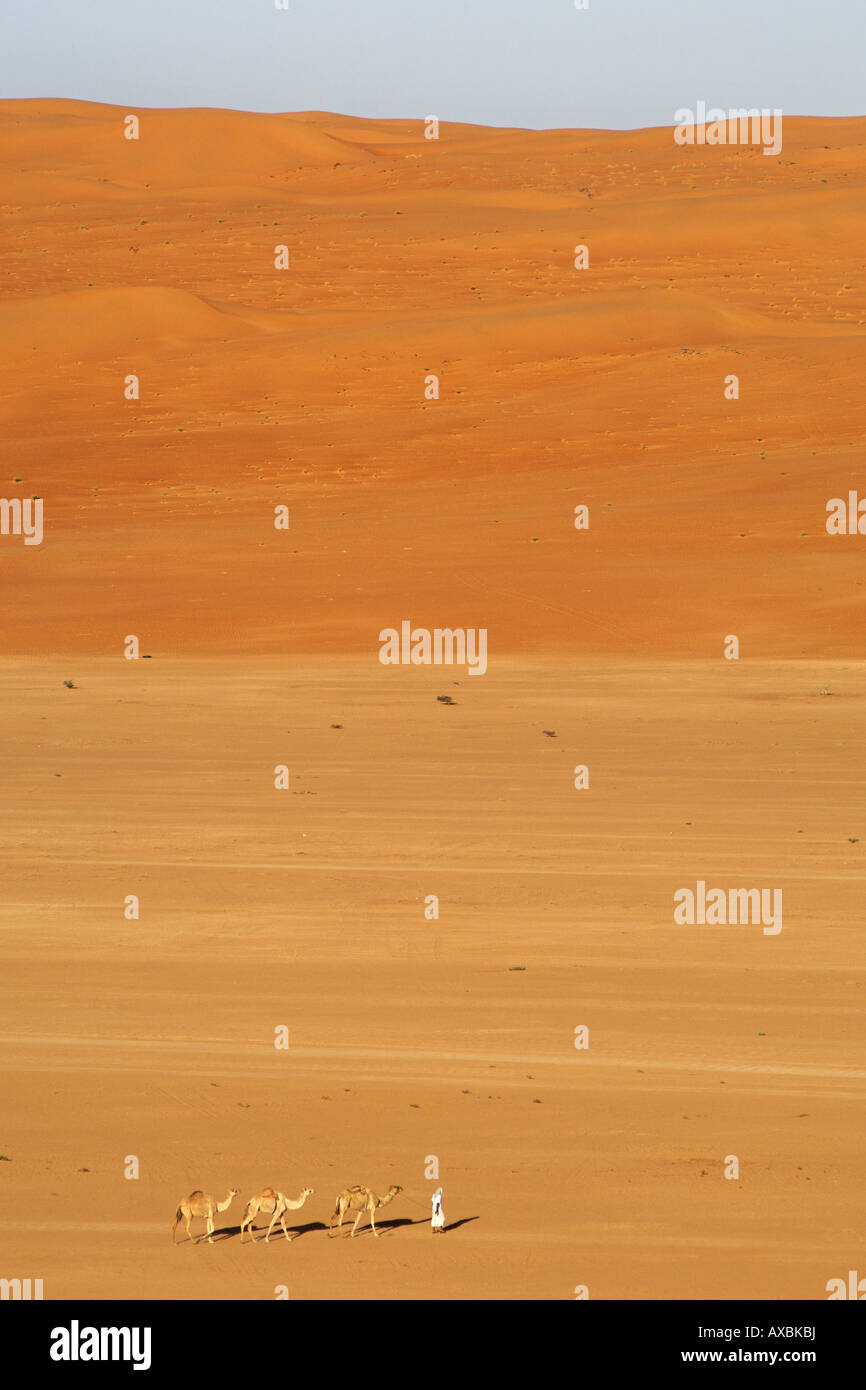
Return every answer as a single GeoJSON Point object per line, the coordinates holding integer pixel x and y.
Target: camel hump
{"type": "Point", "coordinates": [268, 1192]}
{"type": "Point", "coordinates": [198, 1193]}
{"type": "Point", "coordinates": [356, 1188]}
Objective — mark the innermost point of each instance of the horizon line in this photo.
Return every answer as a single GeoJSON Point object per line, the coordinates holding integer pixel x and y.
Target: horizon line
{"type": "Point", "coordinates": [406, 120]}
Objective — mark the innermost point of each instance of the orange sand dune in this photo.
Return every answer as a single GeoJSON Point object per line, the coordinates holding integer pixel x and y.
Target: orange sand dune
{"type": "Point", "coordinates": [453, 257]}
{"type": "Point", "coordinates": [174, 149]}
{"type": "Point", "coordinates": [101, 323]}
{"type": "Point", "coordinates": [310, 388]}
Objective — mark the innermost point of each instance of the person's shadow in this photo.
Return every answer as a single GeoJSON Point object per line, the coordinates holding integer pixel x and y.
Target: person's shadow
{"type": "Point", "coordinates": [464, 1221]}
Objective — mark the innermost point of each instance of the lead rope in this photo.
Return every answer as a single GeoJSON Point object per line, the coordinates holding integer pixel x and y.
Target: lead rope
{"type": "Point", "coordinates": [424, 1206]}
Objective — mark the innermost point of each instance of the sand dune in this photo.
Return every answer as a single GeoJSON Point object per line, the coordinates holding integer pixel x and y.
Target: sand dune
{"type": "Point", "coordinates": [194, 148]}
{"type": "Point", "coordinates": [617, 324]}
{"type": "Point", "coordinates": [101, 323]}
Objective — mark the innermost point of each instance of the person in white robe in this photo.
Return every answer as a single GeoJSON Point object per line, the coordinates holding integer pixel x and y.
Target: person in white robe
{"type": "Point", "coordinates": [437, 1219]}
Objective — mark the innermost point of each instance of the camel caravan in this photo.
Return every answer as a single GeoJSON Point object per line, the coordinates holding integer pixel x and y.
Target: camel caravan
{"type": "Point", "coordinates": [270, 1202]}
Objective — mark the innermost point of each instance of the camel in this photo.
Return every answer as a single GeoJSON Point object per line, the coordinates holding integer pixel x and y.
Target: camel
{"type": "Point", "coordinates": [200, 1203]}
{"type": "Point", "coordinates": [360, 1199]}
{"type": "Point", "coordinates": [269, 1200]}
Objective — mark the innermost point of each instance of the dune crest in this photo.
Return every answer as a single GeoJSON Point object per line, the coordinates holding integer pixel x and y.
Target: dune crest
{"type": "Point", "coordinates": [99, 323]}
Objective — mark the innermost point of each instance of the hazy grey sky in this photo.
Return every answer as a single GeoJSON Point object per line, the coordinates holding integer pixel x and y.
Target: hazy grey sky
{"type": "Point", "coordinates": [621, 63]}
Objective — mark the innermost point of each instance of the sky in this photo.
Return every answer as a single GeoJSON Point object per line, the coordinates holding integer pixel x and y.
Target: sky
{"type": "Point", "coordinates": [618, 64]}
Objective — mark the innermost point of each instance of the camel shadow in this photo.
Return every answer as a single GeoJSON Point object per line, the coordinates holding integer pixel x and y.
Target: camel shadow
{"type": "Point", "coordinates": [259, 1232]}
{"type": "Point", "coordinates": [226, 1233]}
{"type": "Point", "coordinates": [295, 1231]}
{"type": "Point", "coordinates": [383, 1227]}
{"type": "Point", "coordinates": [200, 1238]}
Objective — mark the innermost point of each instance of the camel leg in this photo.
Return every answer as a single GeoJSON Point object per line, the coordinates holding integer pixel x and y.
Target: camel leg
{"type": "Point", "coordinates": [357, 1219]}
{"type": "Point", "coordinates": [373, 1224]}
{"type": "Point", "coordinates": [271, 1227]}
{"type": "Point", "coordinates": [210, 1228]}
{"type": "Point", "coordinates": [283, 1224]}
{"type": "Point", "coordinates": [257, 1212]}
{"type": "Point", "coordinates": [187, 1220]}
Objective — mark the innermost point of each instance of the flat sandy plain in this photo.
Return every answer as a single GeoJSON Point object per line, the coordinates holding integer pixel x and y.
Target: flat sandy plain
{"type": "Point", "coordinates": [305, 908]}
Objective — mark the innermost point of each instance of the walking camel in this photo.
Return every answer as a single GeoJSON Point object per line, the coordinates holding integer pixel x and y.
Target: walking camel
{"type": "Point", "coordinates": [268, 1201]}
{"type": "Point", "coordinates": [200, 1203]}
{"type": "Point", "coordinates": [360, 1199]}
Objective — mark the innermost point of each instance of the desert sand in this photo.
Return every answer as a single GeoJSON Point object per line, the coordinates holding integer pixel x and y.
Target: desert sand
{"type": "Point", "coordinates": [305, 908]}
